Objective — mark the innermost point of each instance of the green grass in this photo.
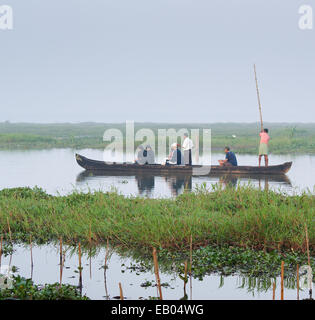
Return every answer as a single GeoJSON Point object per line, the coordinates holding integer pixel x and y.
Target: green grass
{"type": "Point", "coordinates": [285, 138]}
{"type": "Point", "coordinates": [244, 218]}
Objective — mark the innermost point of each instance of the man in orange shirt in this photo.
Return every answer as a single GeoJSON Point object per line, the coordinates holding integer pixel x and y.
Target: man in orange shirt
{"type": "Point", "coordinates": [263, 147]}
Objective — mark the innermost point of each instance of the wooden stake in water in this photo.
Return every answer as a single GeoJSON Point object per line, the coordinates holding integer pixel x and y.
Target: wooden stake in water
{"type": "Point", "coordinates": [308, 256]}
{"type": "Point", "coordinates": [1, 249]}
{"type": "Point", "coordinates": [121, 292]}
{"type": "Point", "coordinates": [282, 274]}
{"type": "Point", "coordinates": [185, 276]}
{"type": "Point", "coordinates": [90, 251]}
{"type": "Point", "coordinates": [274, 291]}
{"type": "Point", "coordinates": [32, 264]}
{"type": "Point", "coordinates": [298, 282]}
{"type": "Point", "coordinates": [190, 277]}
{"type": "Point", "coordinates": [61, 262]}
{"type": "Point", "coordinates": [156, 271]}
{"type": "Point", "coordinates": [80, 269]}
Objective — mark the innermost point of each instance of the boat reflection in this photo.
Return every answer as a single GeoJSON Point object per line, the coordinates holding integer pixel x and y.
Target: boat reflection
{"type": "Point", "coordinates": [178, 182]}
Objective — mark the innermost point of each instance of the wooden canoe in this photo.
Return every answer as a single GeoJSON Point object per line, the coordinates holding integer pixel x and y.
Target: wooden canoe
{"type": "Point", "coordinates": [96, 165]}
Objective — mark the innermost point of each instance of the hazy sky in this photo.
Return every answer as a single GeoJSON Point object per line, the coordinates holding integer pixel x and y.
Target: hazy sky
{"type": "Point", "coordinates": [156, 60]}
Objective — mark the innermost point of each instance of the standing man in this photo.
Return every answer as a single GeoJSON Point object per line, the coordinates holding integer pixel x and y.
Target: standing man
{"type": "Point", "coordinates": [263, 147]}
{"type": "Point", "coordinates": [187, 146]}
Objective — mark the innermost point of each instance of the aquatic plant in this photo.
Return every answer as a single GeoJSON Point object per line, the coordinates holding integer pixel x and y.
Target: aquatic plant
{"type": "Point", "coordinates": [245, 218]}
{"type": "Point", "coordinates": [25, 289]}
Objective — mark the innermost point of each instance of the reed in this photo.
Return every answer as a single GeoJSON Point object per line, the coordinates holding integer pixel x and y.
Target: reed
{"type": "Point", "coordinates": [9, 229]}
{"type": "Point", "coordinates": [243, 217]}
{"type": "Point", "coordinates": [156, 271]}
{"type": "Point", "coordinates": [105, 268]}
{"type": "Point", "coordinates": [282, 275]}
{"type": "Point", "coordinates": [307, 246]}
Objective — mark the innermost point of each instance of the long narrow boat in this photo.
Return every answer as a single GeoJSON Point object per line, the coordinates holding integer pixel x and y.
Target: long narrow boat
{"type": "Point", "coordinates": [96, 165]}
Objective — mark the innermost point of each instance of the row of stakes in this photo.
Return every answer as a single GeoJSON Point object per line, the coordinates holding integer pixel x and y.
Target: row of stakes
{"type": "Point", "coordinates": [156, 268]}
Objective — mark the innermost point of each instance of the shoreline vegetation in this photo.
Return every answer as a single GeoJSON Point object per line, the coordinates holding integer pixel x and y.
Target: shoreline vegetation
{"type": "Point", "coordinates": [245, 218]}
{"type": "Point", "coordinates": [286, 138]}
{"type": "Point", "coordinates": [244, 232]}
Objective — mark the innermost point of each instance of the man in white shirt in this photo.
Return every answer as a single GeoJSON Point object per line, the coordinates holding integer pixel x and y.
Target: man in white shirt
{"type": "Point", "coordinates": [187, 146]}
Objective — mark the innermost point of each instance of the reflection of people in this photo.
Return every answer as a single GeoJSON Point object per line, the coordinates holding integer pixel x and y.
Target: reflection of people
{"type": "Point", "coordinates": [179, 183]}
{"type": "Point", "coordinates": [148, 155]}
{"type": "Point", "coordinates": [145, 183]}
{"type": "Point", "coordinates": [229, 181]}
{"type": "Point", "coordinates": [230, 158]}
{"type": "Point", "coordinates": [175, 156]}
{"type": "Point", "coordinates": [187, 146]}
{"type": "Point", "coordinates": [140, 158]}
{"type": "Point", "coordinates": [263, 146]}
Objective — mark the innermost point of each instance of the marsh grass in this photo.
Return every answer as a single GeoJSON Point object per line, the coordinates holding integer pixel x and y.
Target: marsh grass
{"type": "Point", "coordinates": [244, 217]}
{"type": "Point", "coordinates": [285, 138]}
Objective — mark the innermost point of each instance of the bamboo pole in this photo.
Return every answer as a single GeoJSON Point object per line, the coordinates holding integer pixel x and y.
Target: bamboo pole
{"type": "Point", "coordinates": [308, 256]}
{"type": "Point", "coordinates": [258, 97]}
{"type": "Point", "coordinates": [121, 292]}
{"type": "Point", "coordinates": [80, 269]}
{"type": "Point", "coordinates": [190, 277]}
{"type": "Point", "coordinates": [185, 276]}
{"type": "Point", "coordinates": [297, 283]}
{"type": "Point", "coordinates": [282, 274]}
{"type": "Point", "coordinates": [61, 262]}
{"type": "Point", "coordinates": [1, 249]}
{"type": "Point", "coordinates": [274, 291]}
{"type": "Point", "coordinates": [90, 251]}
{"type": "Point", "coordinates": [32, 264]}
{"type": "Point", "coordinates": [156, 271]}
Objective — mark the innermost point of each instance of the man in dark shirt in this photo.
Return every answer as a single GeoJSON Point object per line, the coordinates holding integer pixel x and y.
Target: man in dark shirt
{"type": "Point", "coordinates": [230, 158]}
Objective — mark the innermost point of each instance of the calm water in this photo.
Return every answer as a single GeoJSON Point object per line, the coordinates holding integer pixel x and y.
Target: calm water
{"type": "Point", "coordinates": [57, 172]}
{"type": "Point", "coordinates": [213, 287]}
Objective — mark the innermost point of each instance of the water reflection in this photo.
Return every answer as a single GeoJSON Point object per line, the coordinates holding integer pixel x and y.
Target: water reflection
{"type": "Point", "coordinates": [177, 183]}
{"type": "Point", "coordinates": [133, 272]}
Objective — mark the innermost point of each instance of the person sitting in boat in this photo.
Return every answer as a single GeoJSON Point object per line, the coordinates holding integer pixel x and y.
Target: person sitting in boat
{"type": "Point", "coordinates": [149, 156]}
{"type": "Point", "coordinates": [175, 156]}
{"type": "Point", "coordinates": [230, 158]}
{"type": "Point", "coordinates": [140, 156]}
{"type": "Point", "coordinates": [263, 147]}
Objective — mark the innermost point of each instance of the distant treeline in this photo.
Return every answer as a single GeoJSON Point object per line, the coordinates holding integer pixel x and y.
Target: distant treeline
{"type": "Point", "coordinates": [241, 137]}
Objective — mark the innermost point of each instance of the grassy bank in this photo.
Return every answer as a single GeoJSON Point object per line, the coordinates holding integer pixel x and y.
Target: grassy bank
{"type": "Point", "coordinates": [286, 138]}
{"type": "Point", "coordinates": [244, 218]}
